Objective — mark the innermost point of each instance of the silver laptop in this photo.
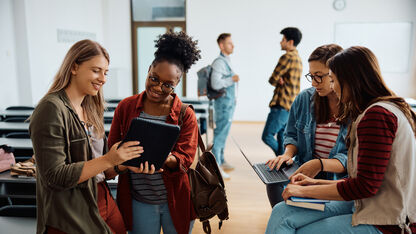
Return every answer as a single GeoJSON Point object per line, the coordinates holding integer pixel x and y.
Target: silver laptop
{"type": "Point", "coordinates": [270, 176]}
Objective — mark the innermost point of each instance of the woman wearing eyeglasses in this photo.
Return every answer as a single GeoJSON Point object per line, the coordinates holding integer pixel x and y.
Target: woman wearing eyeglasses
{"type": "Point", "coordinates": [150, 200]}
{"type": "Point", "coordinates": [379, 194]}
{"type": "Point", "coordinates": [312, 134]}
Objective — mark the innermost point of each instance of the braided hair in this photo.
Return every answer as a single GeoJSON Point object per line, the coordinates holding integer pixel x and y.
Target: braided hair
{"type": "Point", "coordinates": [178, 49]}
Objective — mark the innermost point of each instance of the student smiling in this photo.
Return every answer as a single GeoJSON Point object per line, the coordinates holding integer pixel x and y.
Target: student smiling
{"type": "Point", "coordinates": [378, 195]}
{"type": "Point", "coordinates": [69, 143]}
{"type": "Point", "coordinates": [150, 200]}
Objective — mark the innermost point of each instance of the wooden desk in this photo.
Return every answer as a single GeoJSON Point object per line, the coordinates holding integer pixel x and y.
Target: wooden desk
{"type": "Point", "coordinates": [18, 195]}
{"type": "Point", "coordinates": [16, 143]}
{"type": "Point", "coordinates": [204, 113]}
{"type": "Point", "coordinates": [27, 113]}
{"type": "Point", "coordinates": [15, 113]}
{"type": "Point", "coordinates": [6, 127]}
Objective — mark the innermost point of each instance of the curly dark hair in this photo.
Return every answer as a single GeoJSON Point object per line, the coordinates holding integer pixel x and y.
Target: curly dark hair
{"type": "Point", "coordinates": [177, 48]}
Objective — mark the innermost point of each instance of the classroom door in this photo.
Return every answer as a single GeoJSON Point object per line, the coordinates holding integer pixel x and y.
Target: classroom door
{"type": "Point", "coordinates": [144, 36]}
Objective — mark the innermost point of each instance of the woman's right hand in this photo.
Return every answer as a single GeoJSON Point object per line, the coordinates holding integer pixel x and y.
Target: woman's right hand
{"type": "Point", "coordinates": [144, 168]}
{"type": "Point", "coordinates": [310, 168]}
{"type": "Point", "coordinates": [301, 179]}
{"type": "Point", "coordinates": [278, 161]}
{"type": "Point", "coordinates": [128, 150]}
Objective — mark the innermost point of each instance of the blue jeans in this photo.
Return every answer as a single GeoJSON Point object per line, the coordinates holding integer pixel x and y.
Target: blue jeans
{"type": "Point", "coordinates": [224, 110]}
{"type": "Point", "coordinates": [275, 126]}
{"type": "Point", "coordinates": [149, 219]}
{"type": "Point", "coordinates": [336, 218]}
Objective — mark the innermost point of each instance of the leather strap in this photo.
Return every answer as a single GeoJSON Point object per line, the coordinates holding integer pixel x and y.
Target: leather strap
{"type": "Point", "coordinates": [206, 226]}
{"type": "Point", "coordinates": [180, 122]}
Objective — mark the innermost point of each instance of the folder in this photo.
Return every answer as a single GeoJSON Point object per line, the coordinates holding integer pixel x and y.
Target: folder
{"type": "Point", "coordinates": [157, 139]}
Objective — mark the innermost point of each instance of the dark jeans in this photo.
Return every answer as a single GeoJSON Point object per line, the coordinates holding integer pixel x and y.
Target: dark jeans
{"type": "Point", "coordinates": [274, 129]}
{"type": "Point", "coordinates": [274, 192]}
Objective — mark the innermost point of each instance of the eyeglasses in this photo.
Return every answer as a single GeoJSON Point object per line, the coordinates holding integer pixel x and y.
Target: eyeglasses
{"type": "Point", "coordinates": [166, 87]}
{"type": "Point", "coordinates": [316, 78]}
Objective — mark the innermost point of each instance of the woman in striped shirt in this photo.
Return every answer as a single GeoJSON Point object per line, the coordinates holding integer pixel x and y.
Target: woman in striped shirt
{"type": "Point", "coordinates": [378, 195]}
{"type": "Point", "coordinates": [312, 134]}
{"type": "Point", "coordinates": [152, 200]}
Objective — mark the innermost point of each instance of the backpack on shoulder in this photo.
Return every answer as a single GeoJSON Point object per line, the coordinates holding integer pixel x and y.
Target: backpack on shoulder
{"type": "Point", "coordinates": [204, 84]}
{"type": "Point", "coordinates": [207, 186]}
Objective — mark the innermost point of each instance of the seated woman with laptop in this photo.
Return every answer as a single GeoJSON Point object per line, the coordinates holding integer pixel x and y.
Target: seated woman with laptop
{"type": "Point", "coordinates": [378, 195]}
{"type": "Point", "coordinates": [150, 200]}
{"type": "Point", "coordinates": [312, 134]}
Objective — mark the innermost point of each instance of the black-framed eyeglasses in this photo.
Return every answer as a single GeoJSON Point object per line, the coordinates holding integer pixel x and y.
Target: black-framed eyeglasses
{"type": "Point", "coordinates": [166, 87]}
{"type": "Point", "coordinates": [316, 78]}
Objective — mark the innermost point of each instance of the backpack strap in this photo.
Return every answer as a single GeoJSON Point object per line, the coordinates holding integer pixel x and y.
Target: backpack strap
{"type": "Point", "coordinates": [180, 122]}
{"type": "Point", "coordinates": [206, 226]}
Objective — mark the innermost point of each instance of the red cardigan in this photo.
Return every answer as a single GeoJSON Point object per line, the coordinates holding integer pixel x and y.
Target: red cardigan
{"type": "Point", "coordinates": [176, 181]}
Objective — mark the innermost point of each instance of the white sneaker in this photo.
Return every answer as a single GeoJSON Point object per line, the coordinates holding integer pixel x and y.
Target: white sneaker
{"type": "Point", "coordinates": [227, 167]}
{"type": "Point", "coordinates": [224, 175]}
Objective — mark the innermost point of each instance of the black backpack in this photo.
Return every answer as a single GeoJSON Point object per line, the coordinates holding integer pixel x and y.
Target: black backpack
{"type": "Point", "coordinates": [204, 84]}
{"type": "Point", "coordinates": [207, 186]}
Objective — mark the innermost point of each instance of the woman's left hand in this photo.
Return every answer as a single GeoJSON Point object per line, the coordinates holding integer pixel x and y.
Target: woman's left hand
{"type": "Point", "coordinates": [292, 190]}
{"type": "Point", "coordinates": [311, 168]}
{"type": "Point", "coordinates": [171, 162]}
{"type": "Point", "coordinates": [144, 168]}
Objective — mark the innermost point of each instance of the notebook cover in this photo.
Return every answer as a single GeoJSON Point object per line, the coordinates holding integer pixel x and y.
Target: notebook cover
{"type": "Point", "coordinates": [307, 205]}
{"type": "Point", "coordinates": [307, 199]}
{"type": "Point", "coordinates": [157, 139]}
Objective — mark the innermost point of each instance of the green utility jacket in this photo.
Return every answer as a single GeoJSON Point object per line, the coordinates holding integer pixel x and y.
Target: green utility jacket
{"type": "Point", "coordinates": [61, 147]}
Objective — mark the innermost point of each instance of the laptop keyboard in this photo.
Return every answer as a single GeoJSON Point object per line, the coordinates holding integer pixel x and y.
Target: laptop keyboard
{"type": "Point", "coordinates": [271, 176]}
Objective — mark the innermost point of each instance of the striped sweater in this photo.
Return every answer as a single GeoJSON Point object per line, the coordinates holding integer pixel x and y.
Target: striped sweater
{"type": "Point", "coordinates": [376, 132]}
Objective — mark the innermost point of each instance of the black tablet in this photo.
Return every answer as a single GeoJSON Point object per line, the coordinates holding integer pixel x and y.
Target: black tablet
{"type": "Point", "coordinates": [157, 139]}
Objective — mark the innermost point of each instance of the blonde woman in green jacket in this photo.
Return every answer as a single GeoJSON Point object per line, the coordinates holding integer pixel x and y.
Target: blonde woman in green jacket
{"type": "Point", "coordinates": [67, 133]}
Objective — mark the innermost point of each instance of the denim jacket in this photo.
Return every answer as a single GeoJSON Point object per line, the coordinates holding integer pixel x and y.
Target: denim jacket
{"type": "Point", "coordinates": [300, 131]}
{"type": "Point", "coordinates": [221, 77]}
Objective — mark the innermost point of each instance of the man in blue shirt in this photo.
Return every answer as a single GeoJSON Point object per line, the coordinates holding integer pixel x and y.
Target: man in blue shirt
{"type": "Point", "coordinates": [223, 78]}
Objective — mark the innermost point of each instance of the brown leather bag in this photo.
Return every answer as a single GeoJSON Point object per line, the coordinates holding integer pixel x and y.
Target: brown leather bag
{"type": "Point", "coordinates": [207, 186]}
{"type": "Point", "coordinates": [26, 168]}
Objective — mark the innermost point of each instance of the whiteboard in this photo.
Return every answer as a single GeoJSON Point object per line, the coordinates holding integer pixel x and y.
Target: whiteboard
{"type": "Point", "coordinates": [390, 42]}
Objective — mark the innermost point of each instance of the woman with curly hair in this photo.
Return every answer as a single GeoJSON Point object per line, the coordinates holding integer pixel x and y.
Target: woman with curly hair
{"type": "Point", "coordinates": [151, 200]}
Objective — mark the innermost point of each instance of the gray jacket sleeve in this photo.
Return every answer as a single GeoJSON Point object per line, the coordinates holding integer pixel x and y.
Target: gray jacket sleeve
{"type": "Point", "coordinates": [219, 78]}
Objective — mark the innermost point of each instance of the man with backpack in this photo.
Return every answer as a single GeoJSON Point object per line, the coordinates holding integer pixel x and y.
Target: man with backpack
{"type": "Point", "coordinates": [223, 79]}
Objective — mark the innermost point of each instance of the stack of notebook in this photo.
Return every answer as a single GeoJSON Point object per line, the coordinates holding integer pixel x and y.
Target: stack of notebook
{"type": "Point", "coordinates": [309, 203]}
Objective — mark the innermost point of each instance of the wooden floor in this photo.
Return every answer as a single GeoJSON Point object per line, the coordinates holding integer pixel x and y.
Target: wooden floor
{"type": "Point", "coordinates": [247, 200]}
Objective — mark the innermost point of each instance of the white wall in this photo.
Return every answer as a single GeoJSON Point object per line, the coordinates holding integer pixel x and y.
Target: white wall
{"type": "Point", "coordinates": [8, 78]}
{"type": "Point", "coordinates": [44, 17]}
{"type": "Point", "coordinates": [117, 40]}
{"type": "Point", "coordinates": [31, 54]}
{"type": "Point", "coordinates": [255, 27]}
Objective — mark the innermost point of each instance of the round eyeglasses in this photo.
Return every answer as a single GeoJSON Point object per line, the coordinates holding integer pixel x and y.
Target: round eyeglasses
{"type": "Point", "coordinates": [166, 87]}
{"type": "Point", "coordinates": [316, 78]}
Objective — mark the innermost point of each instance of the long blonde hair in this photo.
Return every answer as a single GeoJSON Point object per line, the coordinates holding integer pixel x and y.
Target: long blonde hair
{"type": "Point", "coordinates": [93, 106]}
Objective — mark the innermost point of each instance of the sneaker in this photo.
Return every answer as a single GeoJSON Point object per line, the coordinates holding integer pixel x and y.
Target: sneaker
{"type": "Point", "coordinates": [227, 167]}
{"type": "Point", "coordinates": [224, 175]}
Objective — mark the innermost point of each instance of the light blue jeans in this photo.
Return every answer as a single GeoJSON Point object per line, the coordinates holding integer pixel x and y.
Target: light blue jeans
{"type": "Point", "coordinates": [275, 127]}
{"type": "Point", "coordinates": [149, 219]}
{"type": "Point", "coordinates": [224, 110]}
{"type": "Point", "coordinates": [336, 218]}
